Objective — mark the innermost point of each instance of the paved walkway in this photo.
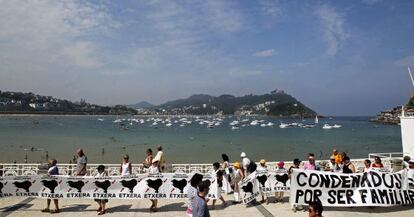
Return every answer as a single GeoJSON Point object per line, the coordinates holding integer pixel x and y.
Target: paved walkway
{"type": "Point", "coordinates": [81, 207]}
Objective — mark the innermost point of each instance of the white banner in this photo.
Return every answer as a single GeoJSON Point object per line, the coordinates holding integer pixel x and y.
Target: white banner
{"type": "Point", "coordinates": [248, 188]}
{"type": "Point", "coordinates": [372, 188]}
{"type": "Point", "coordinates": [162, 186]}
{"type": "Point", "coordinates": [270, 182]}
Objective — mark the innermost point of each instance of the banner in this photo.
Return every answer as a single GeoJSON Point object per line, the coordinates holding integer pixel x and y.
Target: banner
{"type": "Point", "coordinates": [248, 188]}
{"type": "Point", "coordinates": [270, 182]}
{"type": "Point", "coordinates": [160, 186]}
{"type": "Point", "coordinates": [373, 188]}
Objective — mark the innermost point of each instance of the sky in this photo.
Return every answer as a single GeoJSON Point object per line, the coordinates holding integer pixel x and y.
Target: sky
{"type": "Point", "coordinates": [337, 57]}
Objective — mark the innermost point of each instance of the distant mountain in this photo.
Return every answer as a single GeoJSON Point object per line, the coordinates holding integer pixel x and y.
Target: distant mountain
{"type": "Point", "coordinates": [30, 103]}
{"type": "Point", "coordinates": [276, 103]}
{"type": "Point", "coordinates": [142, 104]}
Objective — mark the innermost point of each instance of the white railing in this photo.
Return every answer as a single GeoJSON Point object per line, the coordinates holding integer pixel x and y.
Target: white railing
{"type": "Point", "coordinates": [114, 169]}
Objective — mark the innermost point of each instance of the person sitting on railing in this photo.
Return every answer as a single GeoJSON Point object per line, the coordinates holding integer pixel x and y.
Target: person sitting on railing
{"type": "Point", "coordinates": [377, 163]}
{"type": "Point", "coordinates": [81, 163]}
{"type": "Point", "coordinates": [126, 167]}
{"type": "Point", "coordinates": [52, 171]}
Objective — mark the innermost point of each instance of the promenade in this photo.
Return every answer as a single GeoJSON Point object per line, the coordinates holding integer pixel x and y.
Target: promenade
{"type": "Point", "coordinates": [17, 206]}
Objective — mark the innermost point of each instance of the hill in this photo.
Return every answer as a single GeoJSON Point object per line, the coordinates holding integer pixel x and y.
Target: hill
{"type": "Point", "coordinates": [276, 103]}
{"type": "Point", "coordinates": [140, 105]}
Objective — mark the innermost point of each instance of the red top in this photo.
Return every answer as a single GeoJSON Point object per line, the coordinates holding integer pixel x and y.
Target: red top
{"type": "Point", "coordinates": [374, 165]}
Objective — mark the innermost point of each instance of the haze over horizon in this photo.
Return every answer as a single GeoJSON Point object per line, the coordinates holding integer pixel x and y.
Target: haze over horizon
{"type": "Point", "coordinates": [337, 57]}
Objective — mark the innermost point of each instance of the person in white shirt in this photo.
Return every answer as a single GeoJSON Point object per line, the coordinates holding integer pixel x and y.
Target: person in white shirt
{"type": "Point", "coordinates": [192, 192]}
{"type": "Point", "coordinates": [101, 202]}
{"type": "Point", "coordinates": [160, 158]}
{"type": "Point", "coordinates": [126, 167]}
{"type": "Point", "coordinates": [245, 164]}
{"type": "Point", "coordinates": [262, 168]}
{"type": "Point", "coordinates": [219, 176]}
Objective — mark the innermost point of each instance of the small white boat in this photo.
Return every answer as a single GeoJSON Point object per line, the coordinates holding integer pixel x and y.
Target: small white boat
{"type": "Point", "coordinates": [270, 124]}
{"type": "Point", "coordinates": [235, 128]}
{"type": "Point", "coordinates": [263, 125]}
{"type": "Point", "coordinates": [254, 123]}
{"type": "Point", "coordinates": [316, 119]}
{"type": "Point", "coordinates": [101, 119]}
{"type": "Point", "coordinates": [337, 126]}
{"type": "Point", "coordinates": [327, 127]}
{"type": "Point", "coordinates": [168, 125]}
{"type": "Point", "coordinates": [117, 121]}
{"type": "Point", "coordinates": [282, 125]}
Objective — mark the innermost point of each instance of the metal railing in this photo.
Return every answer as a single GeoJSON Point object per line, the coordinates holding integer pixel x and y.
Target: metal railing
{"type": "Point", "coordinates": [7, 169]}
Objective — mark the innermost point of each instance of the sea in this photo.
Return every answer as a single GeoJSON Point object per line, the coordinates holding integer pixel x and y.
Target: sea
{"type": "Point", "coordinates": [34, 139]}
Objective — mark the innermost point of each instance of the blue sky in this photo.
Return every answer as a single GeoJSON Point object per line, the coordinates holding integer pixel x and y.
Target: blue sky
{"type": "Point", "coordinates": [337, 57]}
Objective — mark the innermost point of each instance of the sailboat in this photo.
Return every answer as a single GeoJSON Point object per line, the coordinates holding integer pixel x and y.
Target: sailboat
{"type": "Point", "coordinates": [316, 119]}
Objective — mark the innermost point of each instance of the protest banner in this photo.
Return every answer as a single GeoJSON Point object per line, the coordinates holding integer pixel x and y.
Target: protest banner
{"type": "Point", "coordinates": [248, 188]}
{"type": "Point", "coordinates": [269, 182]}
{"type": "Point", "coordinates": [373, 188]}
{"type": "Point", "coordinates": [160, 186]}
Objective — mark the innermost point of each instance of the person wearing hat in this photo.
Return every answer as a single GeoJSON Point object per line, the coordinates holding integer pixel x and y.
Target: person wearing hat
{"type": "Point", "coordinates": [245, 164]}
{"type": "Point", "coordinates": [280, 171]}
{"type": "Point", "coordinates": [238, 176]}
{"type": "Point", "coordinates": [333, 166]}
{"type": "Point", "coordinates": [262, 169]}
{"type": "Point", "coordinates": [153, 170]}
{"type": "Point", "coordinates": [101, 202]}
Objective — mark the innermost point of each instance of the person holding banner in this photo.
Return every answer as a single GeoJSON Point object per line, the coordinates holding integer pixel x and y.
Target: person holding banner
{"type": "Point", "coordinates": [101, 202]}
{"type": "Point", "coordinates": [262, 168]}
{"type": "Point", "coordinates": [154, 169]}
{"type": "Point", "coordinates": [367, 165]}
{"type": "Point", "coordinates": [310, 164]}
{"type": "Point", "coordinates": [126, 167]}
{"type": "Point", "coordinates": [377, 163]}
{"type": "Point", "coordinates": [280, 170]}
{"type": "Point", "coordinates": [52, 171]}
{"type": "Point", "coordinates": [348, 166]}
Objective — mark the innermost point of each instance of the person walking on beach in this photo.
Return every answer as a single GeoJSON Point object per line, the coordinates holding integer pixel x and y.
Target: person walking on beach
{"type": "Point", "coordinates": [192, 192]}
{"type": "Point", "coordinates": [52, 171]}
{"type": "Point", "coordinates": [238, 176]}
{"type": "Point", "coordinates": [310, 164]}
{"type": "Point", "coordinates": [348, 167]}
{"type": "Point", "coordinates": [219, 176]}
{"type": "Point", "coordinates": [199, 204]}
{"type": "Point", "coordinates": [153, 170]}
{"type": "Point", "coordinates": [126, 167]}
{"type": "Point", "coordinates": [81, 163]}
{"type": "Point", "coordinates": [148, 159]}
{"type": "Point", "coordinates": [101, 202]}
{"type": "Point", "coordinates": [262, 168]}
{"type": "Point", "coordinates": [161, 158]}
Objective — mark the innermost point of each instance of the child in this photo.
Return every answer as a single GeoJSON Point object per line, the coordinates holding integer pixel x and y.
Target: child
{"type": "Point", "coordinates": [101, 202]}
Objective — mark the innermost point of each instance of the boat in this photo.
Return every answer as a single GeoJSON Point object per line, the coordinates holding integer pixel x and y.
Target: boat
{"type": "Point", "coordinates": [235, 128]}
{"type": "Point", "coordinates": [327, 127]}
{"type": "Point", "coordinates": [337, 126]}
{"type": "Point", "coordinates": [316, 119]}
{"type": "Point", "coordinates": [282, 125]}
{"type": "Point", "coordinates": [101, 119]}
{"type": "Point", "coordinates": [263, 125]}
{"type": "Point", "coordinates": [168, 125]}
{"type": "Point", "coordinates": [270, 124]}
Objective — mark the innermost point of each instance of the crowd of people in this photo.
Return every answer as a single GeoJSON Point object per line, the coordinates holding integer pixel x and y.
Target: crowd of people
{"type": "Point", "coordinates": [232, 173]}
